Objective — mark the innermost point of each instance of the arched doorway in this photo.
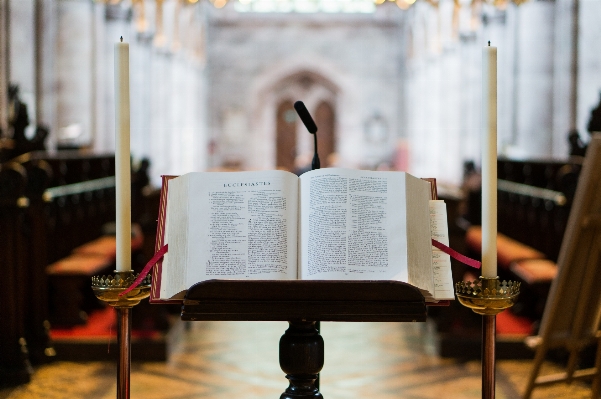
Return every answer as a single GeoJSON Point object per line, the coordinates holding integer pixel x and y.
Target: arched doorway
{"type": "Point", "coordinates": [285, 135]}
{"type": "Point", "coordinates": [326, 140]}
{"type": "Point", "coordinates": [313, 80]}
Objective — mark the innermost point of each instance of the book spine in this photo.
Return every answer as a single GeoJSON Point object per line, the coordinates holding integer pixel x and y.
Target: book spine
{"type": "Point", "coordinates": [155, 290]}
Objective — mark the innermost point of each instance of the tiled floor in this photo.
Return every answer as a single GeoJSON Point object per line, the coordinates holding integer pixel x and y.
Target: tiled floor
{"type": "Point", "coordinates": [225, 360]}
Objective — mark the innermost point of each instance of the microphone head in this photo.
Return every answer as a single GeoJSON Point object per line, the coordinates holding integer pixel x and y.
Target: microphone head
{"type": "Point", "coordinates": [302, 112]}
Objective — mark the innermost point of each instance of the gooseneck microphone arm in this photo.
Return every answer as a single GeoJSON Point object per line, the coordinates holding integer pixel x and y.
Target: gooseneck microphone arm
{"type": "Point", "coordinates": [302, 112]}
{"type": "Point", "coordinates": [315, 162]}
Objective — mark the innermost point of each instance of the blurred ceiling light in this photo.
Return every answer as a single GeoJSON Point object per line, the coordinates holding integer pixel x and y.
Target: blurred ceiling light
{"type": "Point", "coordinates": [115, 2]}
{"type": "Point", "coordinates": [403, 4]}
{"type": "Point", "coordinates": [501, 4]}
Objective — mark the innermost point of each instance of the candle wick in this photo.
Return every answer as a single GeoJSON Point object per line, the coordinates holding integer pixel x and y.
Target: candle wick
{"type": "Point", "coordinates": [122, 40]}
{"type": "Point", "coordinates": [488, 41]}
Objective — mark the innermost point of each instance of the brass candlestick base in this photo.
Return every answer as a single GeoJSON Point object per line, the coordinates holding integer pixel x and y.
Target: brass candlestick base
{"type": "Point", "coordinates": [488, 297]}
{"type": "Point", "coordinates": [107, 289]}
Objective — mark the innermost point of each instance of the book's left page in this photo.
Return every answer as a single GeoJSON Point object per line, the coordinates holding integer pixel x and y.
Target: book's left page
{"type": "Point", "coordinates": [230, 225]}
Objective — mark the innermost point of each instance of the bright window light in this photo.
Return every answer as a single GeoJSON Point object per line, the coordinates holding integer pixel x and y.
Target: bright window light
{"type": "Point", "coordinates": [306, 6]}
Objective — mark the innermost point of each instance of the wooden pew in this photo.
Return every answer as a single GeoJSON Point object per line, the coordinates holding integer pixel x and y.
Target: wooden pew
{"type": "Point", "coordinates": [14, 361]}
{"type": "Point", "coordinates": [75, 215]}
{"type": "Point", "coordinates": [37, 323]}
{"type": "Point", "coordinates": [54, 209]}
{"type": "Point", "coordinates": [534, 202]}
{"type": "Point", "coordinates": [533, 208]}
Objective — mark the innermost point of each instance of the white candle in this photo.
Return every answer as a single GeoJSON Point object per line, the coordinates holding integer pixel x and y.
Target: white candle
{"type": "Point", "coordinates": [489, 162]}
{"type": "Point", "coordinates": [122, 160]}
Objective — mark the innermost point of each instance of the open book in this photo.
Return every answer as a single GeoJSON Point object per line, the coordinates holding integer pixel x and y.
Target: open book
{"type": "Point", "coordinates": [327, 224]}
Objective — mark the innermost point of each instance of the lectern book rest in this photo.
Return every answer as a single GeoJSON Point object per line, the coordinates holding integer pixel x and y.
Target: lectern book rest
{"type": "Point", "coordinates": [328, 224]}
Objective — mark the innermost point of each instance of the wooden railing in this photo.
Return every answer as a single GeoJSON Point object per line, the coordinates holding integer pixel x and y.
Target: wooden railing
{"type": "Point", "coordinates": [509, 187]}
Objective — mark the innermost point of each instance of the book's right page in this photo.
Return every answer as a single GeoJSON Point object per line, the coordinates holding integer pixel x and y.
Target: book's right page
{"type": "Point", "coordinates": [441, 262]}
{"type": "Point", "coordinates": [354, 226]}
{"type": "Point", "coordinates": [419, 238]}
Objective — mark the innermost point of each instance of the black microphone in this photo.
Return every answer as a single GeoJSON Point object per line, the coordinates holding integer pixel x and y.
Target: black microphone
{"type": "Point", "coordinates": [302, 112]}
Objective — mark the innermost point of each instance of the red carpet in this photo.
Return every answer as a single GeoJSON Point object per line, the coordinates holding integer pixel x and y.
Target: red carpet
{"type": "Point", "coordinates": [510, 324]}
{"type": "Point", "coordinates": [101, 324]}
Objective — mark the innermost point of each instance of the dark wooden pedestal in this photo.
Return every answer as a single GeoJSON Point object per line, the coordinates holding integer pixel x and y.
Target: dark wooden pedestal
{"type": "Point", "coordinates": [301, 358]}
{"type": "Point", "coordinates": [302, 303]}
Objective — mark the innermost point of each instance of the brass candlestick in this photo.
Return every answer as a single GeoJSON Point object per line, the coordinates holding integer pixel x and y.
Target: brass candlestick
{"type": "Point", "coordinates": [488, 297]}
{"type": "Point", "coordinates": [107, 289]}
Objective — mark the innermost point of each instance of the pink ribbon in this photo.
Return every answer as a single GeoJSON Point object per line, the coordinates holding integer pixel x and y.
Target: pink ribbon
{"type": "Point", "coordinates": [157, 256]}
{"type": "Point", "coordinates": [456, 255]}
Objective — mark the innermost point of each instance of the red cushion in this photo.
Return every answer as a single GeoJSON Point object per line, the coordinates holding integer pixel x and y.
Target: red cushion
{"type": "Point", "coordinates": [107, 245]}
{"type": "Point", "coordinates": [534, 271]}
{"type": "Point", "coordinates": [508, 249]}
{"type": "Point", "coordinates": [78, 264]}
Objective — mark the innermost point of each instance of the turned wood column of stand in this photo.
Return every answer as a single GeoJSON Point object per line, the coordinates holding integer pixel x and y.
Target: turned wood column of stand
{"type": "Point", "coordinates": [301, 358]}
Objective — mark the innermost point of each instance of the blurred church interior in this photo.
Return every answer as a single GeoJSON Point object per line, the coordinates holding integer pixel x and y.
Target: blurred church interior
{"type": "Point", "coordinates": [392, 85]}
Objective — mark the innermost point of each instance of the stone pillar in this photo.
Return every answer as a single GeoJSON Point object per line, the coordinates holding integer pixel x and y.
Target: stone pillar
{"type": "Point", "coordinates": [45, 65]}
{"type": "Point", "coordinates": [160, 111]}
{"type": "Point", "coordinates": [194, 156]}
{"type": "Point", "coordinates": [141, 94]}
{"type": "Point", "coordinates": [565, 74]}
{"type": "Point", "coordinates": [179, 97]}
{"type": "Point", "coordinates": [116, 25]}
{"type": "Point", "coordinates": [450, 169]}
{"type": "Point", "coordinates": [470, 97]}
{"type": "Point", "coordinates": [497, 28]}
{"type": "Point", "coordinates": [417, 106]}
{"type": "Point", "coordinates": [74, 68]}
{"type": "Point", "coordinates": [534, 79]}
{"type": "Point", "coordinates": [22, 55]}
{"type": "Point", "coordinates": [102, 86]}
{"type": "Point", "coordinates": [589, 61]}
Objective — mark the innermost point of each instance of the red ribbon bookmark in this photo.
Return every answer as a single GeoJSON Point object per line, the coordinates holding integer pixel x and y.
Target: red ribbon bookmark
{"type": "Point", "coordinates": [147, 268]}
{"type": "Point", "coordinates": [456, 255]}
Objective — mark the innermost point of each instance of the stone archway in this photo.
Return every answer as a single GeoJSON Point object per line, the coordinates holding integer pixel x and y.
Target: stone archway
{"type": "Point", "coordinates": [325, 90]}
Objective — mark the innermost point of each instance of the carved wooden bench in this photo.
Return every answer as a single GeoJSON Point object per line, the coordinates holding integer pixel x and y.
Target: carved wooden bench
{"type": "Point", "coordinates": [534, 202]}
{"type": "Point", "coordinates": [70, 294]}
{"type": "Point", "coordinates": [508, 249]}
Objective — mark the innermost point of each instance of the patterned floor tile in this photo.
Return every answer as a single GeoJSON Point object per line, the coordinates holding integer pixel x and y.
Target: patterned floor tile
{"type": "Point", "coordinates": [222, 360]}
